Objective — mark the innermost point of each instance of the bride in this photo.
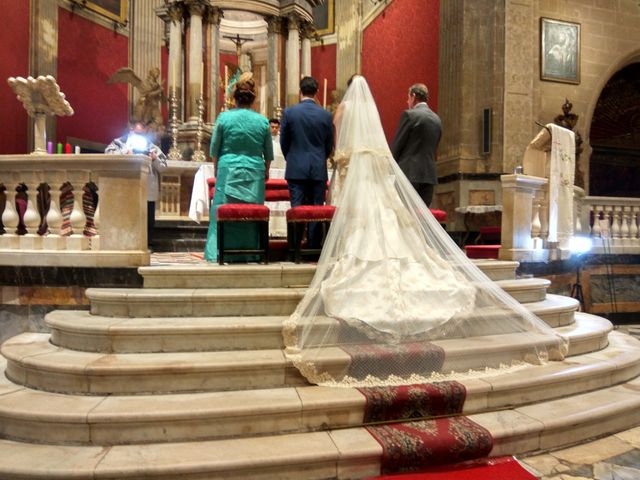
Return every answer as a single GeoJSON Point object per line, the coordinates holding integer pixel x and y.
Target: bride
{"type": "Point", "coordinates": [393, 297]}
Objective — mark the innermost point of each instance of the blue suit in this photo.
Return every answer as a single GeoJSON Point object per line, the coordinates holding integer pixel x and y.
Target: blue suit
{"type": "Point", "coordinates": [306, 138]}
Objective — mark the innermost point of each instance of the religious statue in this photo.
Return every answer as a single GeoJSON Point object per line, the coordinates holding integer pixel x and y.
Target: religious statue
{"type": "Point", "coordinates": [151, 94]}
{"type": "Point", "coordinates": [569, 120]}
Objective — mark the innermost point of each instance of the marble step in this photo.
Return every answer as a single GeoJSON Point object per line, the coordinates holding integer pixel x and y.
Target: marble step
{"type": "Point", "coordinates": [35, 362]}
{"type": "Point", "coordinates": [79, 330]}
{"type": "Point", "coordinates": [266, 276]}
{"type": "Point", "coordinates": [203, 302]}
{"type": "Point", "coordinates": [32, 415]}
{"type": "Point", "coordinates": [343, 453]}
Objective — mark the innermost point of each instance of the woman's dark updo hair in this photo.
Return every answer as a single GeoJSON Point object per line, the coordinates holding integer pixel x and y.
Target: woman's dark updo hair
{"type": "Point", "coordinates": [244, 92]}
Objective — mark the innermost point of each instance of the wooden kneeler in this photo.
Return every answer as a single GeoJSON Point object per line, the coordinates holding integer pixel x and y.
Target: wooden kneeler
{"type": "Point", "coordinates": [243, 212]}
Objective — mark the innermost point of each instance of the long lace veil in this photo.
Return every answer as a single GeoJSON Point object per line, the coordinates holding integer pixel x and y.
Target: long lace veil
{"type": "Point", "coordinates": [394, 300]}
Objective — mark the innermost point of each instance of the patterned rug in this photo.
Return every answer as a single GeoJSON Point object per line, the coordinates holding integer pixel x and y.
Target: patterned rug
{"type": "Point", "coordinates": [413, 401]}
{"type": "Point", "coordinates": [401, 360]}
{"type": "Point", "coordinates": [414, 446]}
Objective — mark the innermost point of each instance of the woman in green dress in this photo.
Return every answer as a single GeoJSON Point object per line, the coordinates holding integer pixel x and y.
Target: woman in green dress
{"type": "Point", "coordinates": [242, 151]}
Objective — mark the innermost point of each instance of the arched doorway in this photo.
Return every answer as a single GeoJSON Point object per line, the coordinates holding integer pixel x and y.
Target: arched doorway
{"type": "Point", "coordinates": [614, 166]}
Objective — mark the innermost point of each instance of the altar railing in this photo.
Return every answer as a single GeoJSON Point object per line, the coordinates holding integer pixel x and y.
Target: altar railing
{"type": "Point", "coordinates": [76, 210]}
{"type": "Point", "coordinates": [611, 222]}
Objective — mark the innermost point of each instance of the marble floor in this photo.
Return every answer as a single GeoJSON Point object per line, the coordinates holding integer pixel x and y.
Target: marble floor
{"type": "Point", "coordinates": [611, 458]}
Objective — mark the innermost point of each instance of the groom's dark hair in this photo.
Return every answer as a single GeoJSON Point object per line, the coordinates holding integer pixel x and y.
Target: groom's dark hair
{"type": "Point", "coordinates": [308, 86]}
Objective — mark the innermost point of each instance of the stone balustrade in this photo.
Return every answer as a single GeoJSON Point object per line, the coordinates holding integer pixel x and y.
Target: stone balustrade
{"type": "Point", "coordinates": [525, 219]}
{"type": "Point", "coordinates": [612, 223]}
{"type": "Point", "coordinates": [79, 210]}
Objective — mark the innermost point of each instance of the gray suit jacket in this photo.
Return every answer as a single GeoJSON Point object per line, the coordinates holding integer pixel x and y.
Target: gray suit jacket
{"type": "Point", "coordinates": [415, 144]}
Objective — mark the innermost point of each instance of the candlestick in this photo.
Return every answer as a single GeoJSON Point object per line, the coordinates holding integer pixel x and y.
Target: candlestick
{"type": "Point", "coordinates": [198, 155]}
{"type": "Point", "coordinates": [174, 153]}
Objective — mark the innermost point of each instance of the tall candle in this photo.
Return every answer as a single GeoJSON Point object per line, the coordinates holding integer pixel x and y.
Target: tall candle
{"type": "Point", "coordinates": [67, 148]}
{"type": "Point", "coordinates": [174, 82]}
{"type": "Point", "coordinates": [59, 147]}
{"type": "Point", "coordinates": [324, 95]}
{"type": "Point", "coordinates": [49, 147]}
{"type": "Point", "coordinates": [77, 150]}
{"type": "Point", "coordinates": [278, 89]}
{"type": "Point", "coordinates": [201, 78]}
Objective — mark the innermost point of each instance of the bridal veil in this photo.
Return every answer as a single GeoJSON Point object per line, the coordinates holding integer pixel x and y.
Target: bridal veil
{"type": "Point", "coordinates": [394, 300]}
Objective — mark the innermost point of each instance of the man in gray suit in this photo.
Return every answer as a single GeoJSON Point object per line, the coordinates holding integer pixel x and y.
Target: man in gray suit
{"type": "Point", "coordinates": [416, 141]}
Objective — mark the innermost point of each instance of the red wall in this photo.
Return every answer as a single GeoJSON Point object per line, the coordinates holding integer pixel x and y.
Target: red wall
{"type": "Point", "coordinates": [88, 54]}
{"type": "Point", "coordinates": [400, 48]}
{"type": "Point", "coordinates": [323, 65]}
{"type": "Point", "coordinates": [14, 62]}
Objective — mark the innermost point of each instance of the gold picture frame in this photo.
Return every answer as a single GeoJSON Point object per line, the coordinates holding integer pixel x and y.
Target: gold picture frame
{"type": "Point", "coordinates": [559, 51]}
{"type": "Point", "coordinates": [324, 18]}
{"type": "Point", "coordinates": [117, 10]}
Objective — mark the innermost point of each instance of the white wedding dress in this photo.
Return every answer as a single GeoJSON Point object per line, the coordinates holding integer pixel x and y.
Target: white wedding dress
{"type": "Point", "coordinates": [390, 283]}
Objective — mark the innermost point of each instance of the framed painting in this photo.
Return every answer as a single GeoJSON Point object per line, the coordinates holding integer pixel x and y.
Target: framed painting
{"type": "Point", "coordinates": [559, 51]}
{"type": "Point", "coordinates": [113, 9]}
{"type": "Point", "coordinates": [323, 17]}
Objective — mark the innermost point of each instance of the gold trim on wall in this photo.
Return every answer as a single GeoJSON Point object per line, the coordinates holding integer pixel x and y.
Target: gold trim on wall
{"type": "Point", "coordinates": [330, 20]}
{"type": "Point", "coordinates": [98, 6]}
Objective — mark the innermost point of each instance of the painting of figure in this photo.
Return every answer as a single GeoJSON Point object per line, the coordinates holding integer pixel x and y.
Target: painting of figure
{"type": "Point", "coordinates": [114, 9]}
{"type": "Point", "coordinates": [559, 51]}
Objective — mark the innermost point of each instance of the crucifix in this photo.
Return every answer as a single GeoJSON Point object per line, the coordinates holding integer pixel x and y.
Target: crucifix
{"type": "Point", "coordinates": [238, 41]}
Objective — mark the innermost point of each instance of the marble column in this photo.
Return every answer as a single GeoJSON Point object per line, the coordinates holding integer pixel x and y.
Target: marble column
{"type": "Point", "coordinates": [174, 74]}
{"type": "Point", "coordinates": [293, 60]}
{"type": "Point", "coordinates": [274, 32]}
{"type": "Point", "coordinates": [43, 54]}
{"type": "Point", "coordinates": [305, 63]}
{"type": "Point", "coordinates": [145, 40]}
{"type": "Point", "coordinates": [196, 10]}
{"type": "Point", "coordinates": [214, 16]}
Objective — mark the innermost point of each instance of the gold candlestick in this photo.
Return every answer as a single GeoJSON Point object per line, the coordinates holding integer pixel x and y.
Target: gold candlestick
{"type": "Point", "coordinates": [198, 155]}
{"type": "Point", "coordinates": [174, 152]}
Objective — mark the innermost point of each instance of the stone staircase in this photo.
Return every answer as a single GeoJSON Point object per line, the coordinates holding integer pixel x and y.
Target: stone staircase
{"type": "Point", "coordinates": [186, 378]}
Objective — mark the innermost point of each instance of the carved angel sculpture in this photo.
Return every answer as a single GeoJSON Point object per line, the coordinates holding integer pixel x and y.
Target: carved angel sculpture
{"type": "Point", "coordinates": [147, 109]}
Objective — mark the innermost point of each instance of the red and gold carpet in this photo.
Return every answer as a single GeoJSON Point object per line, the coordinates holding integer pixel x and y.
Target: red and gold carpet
{"type": "Point", "coordinates": [498, 468]}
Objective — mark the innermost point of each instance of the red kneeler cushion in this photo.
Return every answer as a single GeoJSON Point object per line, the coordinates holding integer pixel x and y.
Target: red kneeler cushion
{"type": "Point", "coordinates": [242, 212]}
{"type": "Point", "coordinates": [311, 213]}
{"type": "Point", "coordinates": [276, 184]}
{"type": "Point", "coordinates": [441, 215]}
{"type": "Point", "coordinates": [482, 251]}
{"type": "Point", "coordinates": [276, 195]}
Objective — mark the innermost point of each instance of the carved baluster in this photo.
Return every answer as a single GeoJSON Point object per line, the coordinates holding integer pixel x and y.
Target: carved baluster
{"type": "Point", "coordinates": [78, 220]}
{"type": "Point", "coordinates": [95, 240]}
{"type": "Point", "coordinates": [54, 239]}
{"type": "Point", "coordinates": [624, 225]}
{"type": "Point", "coordinates": [633, 227]}
{"type": "Point", "coordinates": [10, 220]}
{"type": "Point", "coordinates": [31, 240]}
{"type": "Point", "coordinates": [596, 230]}
{"type": "Point", "coordinates": [615, 224]}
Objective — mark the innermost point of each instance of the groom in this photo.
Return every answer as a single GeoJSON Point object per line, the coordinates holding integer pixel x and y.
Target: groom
{"type": "Point", "coordinates": [306, 138]}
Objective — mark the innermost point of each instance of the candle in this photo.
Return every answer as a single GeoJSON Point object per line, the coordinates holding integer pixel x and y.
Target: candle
{"type": "Point", "coordinates": [226, 77]}
{"type": "Point", "coordinates": [201, 78]}
{"type": "Point", "coordinates": [324, 95]}
{"type": "Point", "coordinates": [49, 147]}
{"type": "Point", "coordinates": [278, 89]}
{"type": "Point", "coordinates": [59, 148]}
{"type": "Point", "coordinates": [67, 148]}
{"type": "Point", "coordinates": [77, 150]}
{"type": "Point", "coordinates": [174, 80]}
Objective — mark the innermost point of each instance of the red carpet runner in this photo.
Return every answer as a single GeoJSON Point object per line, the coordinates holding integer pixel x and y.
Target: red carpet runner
{"type": "Point", "coordinates": [413, 446]}
{"type": "Point", "coordinates": [413, 401]}
{"type": "Point", "coordinates": [499, 468]}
